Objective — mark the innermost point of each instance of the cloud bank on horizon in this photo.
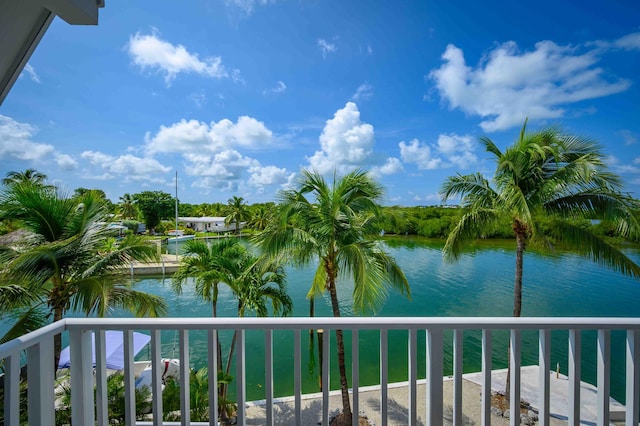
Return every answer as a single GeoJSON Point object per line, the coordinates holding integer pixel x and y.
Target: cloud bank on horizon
{"type": "Point", "coordinates": [244, 114]}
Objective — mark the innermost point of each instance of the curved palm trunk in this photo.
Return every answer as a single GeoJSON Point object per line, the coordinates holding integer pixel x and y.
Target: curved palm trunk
{"type": "Point", "coordinates": [57, 340]}
{"type": "Point", "coordinates": [344, 386]}
{"type": "Point", "coordinates": [520, 230]}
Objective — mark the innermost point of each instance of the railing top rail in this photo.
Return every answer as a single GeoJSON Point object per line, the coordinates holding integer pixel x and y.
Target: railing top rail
{"type": "Point", "coordinates": [361, 323]}
{"type": "Point", "coordinates": [292, 323]}
{"type": "Point", "coordinates": [20, 343]}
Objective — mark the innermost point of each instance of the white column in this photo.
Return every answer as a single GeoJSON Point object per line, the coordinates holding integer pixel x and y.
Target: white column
{"type": "Point", "coordinates": [412, 351]}
{"type": "Point", "coordinates": [156, 377]}
{"type": "Point", "coordinates": [185, 380]}
{"type": "Point", "coordinates": [12, 390]}
{"type": "Point", "coordinates": [241, 377]}
{"type": "Point", "coordinates": [297, 375]}
{"type": "Point", "coordinates": [212, 361]}
{"type": "Point", "coordinates": [355, 376]}
{"type": "Point", "coordinates": [384, 377]}
{"type": "Point", "coordinates": [129, 379]}
{"type": "Point", "coordinates": [40, 383]}
{"type": "Point", "coordinates": [268, 379]}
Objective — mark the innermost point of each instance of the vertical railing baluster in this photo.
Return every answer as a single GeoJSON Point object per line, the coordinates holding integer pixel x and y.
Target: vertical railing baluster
{"type": "Point", "coordinates": [156, 377]}
{"type": "Point", "coordinates": [413, 376]}
{"type": "Point", "coordinates": [574, 378]}
{"type": "Point", "coordinates": [129, 380]}
{"type": "Point", "coordinates": [212, 365]}
{"type": "Point", "coordinates": [325, 376]}
{"type": "Point", "coordinates": [40, 381]}
{"type": "Point", "coordinates": [633, 378]}
{"type": "Point", "coordinates": [604, 374]}
{"type": "Point", "coordinates": [268, 379]}
{"type": "Point", "coordinates": [185, 379]}
{"type": "Point", "coordinates": [544, 363]}
{"type": "Point", "coordinates": [384, 376]}
{"type": "Point", "coordinates": [514, 390]}
{"type": "Point", "coordinates": [101, 378]}
{"type": "Point", "coordinates": [457, 377]}
{"type": "Point", "coordinates": [297, 375]}
{"type": "Point", "coordinates": [355, 376]}
{"type": "Point", "coordinates": [80, 370]}
{"type": "Point", "coordinates": [12, 390]}
{"type": "Point", "coordinates": [486, 377]}
{"type": "Point", "coordinates": [241, 377]}
{"type": "Point", "coordinates": [434, 377]}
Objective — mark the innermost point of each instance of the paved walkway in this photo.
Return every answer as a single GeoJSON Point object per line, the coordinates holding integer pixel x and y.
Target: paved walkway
{"type": "Point", "coordinates": [471, 402]}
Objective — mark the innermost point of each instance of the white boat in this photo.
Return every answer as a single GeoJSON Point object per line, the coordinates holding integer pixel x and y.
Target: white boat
{"type": "Point", "coordinates": [170, 368]}
{"type": "Point", "coordinates": [180, 238]}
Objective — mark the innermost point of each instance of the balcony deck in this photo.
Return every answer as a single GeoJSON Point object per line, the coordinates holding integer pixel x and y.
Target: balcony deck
{"type": "Point", "coordinates": [417, 402]}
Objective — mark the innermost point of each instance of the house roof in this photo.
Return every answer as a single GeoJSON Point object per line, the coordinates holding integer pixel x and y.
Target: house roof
{"type": "Point", "coordinates": [24, 23]}
{"type": "Point", "coordinates": [204, 219]}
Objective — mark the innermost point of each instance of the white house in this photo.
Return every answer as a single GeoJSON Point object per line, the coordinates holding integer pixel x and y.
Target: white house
{"type": "Point", "coordinates": [208, 224]}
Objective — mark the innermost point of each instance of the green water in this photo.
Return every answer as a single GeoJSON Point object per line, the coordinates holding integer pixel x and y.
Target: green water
{"type": "Point", "coordinates": [479, 284]}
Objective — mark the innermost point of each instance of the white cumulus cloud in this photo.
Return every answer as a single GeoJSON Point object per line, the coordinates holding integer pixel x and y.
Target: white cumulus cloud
{"type": "Point", "coordinates": [149, 51]}
{"type": "Point", "coordinates": [128, 166]}
{"type": "Point", "coordinates": [420, 154]}
{"type": "Point", "coordinates": [509, 85]}
{"type": "Point", "coordinates": [391, 166]}
{"type": "Point", "coordinates": [65, 162]}
{"type": "Point", "coordinates": [345, 142]}
{"type": "Point", "coordinates": [269, 175]}
{"type": "Point", "coordinates": [16, 141]}
{"type": "Point", "coordinates": [195, 136]}
{"type": "Point", "coordinates": [449, 151]}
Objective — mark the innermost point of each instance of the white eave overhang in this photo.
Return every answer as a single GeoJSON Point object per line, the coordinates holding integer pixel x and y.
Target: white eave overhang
{"type": "Point", "coordinates": [24, 22]}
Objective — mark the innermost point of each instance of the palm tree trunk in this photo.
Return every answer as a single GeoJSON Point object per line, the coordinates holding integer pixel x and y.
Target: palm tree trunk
{"type": "Point", "coordinates": [57, 340]}
{"type": "Point", "coordinates": [521, 235]}
{"type": "Point", "coordinates": [344, 386]}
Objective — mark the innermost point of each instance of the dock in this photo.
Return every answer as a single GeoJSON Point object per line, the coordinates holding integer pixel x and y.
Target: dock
{"type": "Point", "coordinates": [169, 264]}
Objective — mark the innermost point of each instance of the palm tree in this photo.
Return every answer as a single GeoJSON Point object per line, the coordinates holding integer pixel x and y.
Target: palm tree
{"type": "Point", "coordinates": [336, 224]}
{"type": "Point", "coordinates": [29, 175]}
{"type": "Point", "coordinates": [253, 281]}
{"type": "Point", "coordinates": [127, 207]}
{"type": "Point", "coordinates": [260, 217]}
{"type": "Point", "coordinates": [237, 212]}
{"type": "Point", "coordinates": [63, 266]}
{"type": "Point", "coordinates": [544, 177]}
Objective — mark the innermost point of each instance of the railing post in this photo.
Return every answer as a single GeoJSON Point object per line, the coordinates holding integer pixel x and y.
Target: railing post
{"type": "Point", "coordinates": [40, 383]}
{"type": "Point", "coordinates": [212, 376]}
{"type": "Point", "coordinates": [457, 377]}
{"type": "Point", "coordinates": [129, 379]}
{"type": "Point", "coordinates": [514, 390]}
{"type": "Point", "coordinates": [326, 335]}
{"type": "Point", "coordinates": [633, 377]}
{"type": "Point", "coordinates": [434, 377]}
{"type": "Point", "coordinates": [574, 378]}
{"type": "Point", "coordinates": [241, 377]}
{"type": "Point", "coordinates": [12, 390]}
{"type": "Point", "coordinates": [384, 376]}
{"type": "Point", "coordinates": [101, 378]}
{"type": "Point", "coordinates": [81, 374]}
{"type": "Point", "coordinates": [412, 350]}
{"type": "Point", "coordinates": [268, 380]}
{"type": "Point", "coordinates": [355, 376]}
{"type": "Point", "coordinates": [604, 373]}
{"type": "Point", "coordinates": [185, 380]}
{"type": "Point", "coordinates": [486, 377]}
{"type": "Point", "coordinates": [297, 375]}
{"type": "Point", "coordinates": [156, 377]}
{"type": "Point", "coordinates": [544, 362]}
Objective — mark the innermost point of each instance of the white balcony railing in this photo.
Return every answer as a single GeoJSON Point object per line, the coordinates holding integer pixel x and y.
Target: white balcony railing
{"type": "Point", "coordinates": [36, 349]}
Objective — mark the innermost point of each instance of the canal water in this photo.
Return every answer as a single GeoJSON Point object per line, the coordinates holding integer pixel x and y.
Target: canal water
{"type": "Point", "coordinates": [479, 284]}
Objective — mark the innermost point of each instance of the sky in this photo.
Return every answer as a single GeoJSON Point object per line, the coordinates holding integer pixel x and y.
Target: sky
{"type": "Point", "coordinates": [238, 96]}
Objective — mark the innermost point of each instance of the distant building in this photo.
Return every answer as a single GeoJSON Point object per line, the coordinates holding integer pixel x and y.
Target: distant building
{"type": "Point", "coordinates": [208, 224]}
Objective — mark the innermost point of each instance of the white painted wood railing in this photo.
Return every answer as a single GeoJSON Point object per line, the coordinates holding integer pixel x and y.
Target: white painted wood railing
{"type": "Point", "coordinates": [38, 348]}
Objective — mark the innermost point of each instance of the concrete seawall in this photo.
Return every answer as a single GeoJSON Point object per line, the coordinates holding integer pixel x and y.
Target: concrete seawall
{"type": "Point", "coordinates": [168, 265]}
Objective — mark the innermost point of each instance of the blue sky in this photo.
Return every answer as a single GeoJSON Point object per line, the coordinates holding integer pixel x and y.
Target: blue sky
{"type": "Point", "coordinates": [237, 96]}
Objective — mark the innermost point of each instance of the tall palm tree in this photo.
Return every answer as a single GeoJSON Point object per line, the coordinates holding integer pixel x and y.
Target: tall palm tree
{"type": "Point", "coordinates": [127, 207]}
{"type": "Point", "coordinates": [28, 176]}
{"type": "Point", "coordinates": [260, 217]}
{"type": "Point", "coordinates": [63, 266]}
{"type": "Point", "coordinates": [237, 212]}
{"type": "Point", "coordinates": [544, 176]}
{"type": "Point", "coordinates": [336, 224]}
